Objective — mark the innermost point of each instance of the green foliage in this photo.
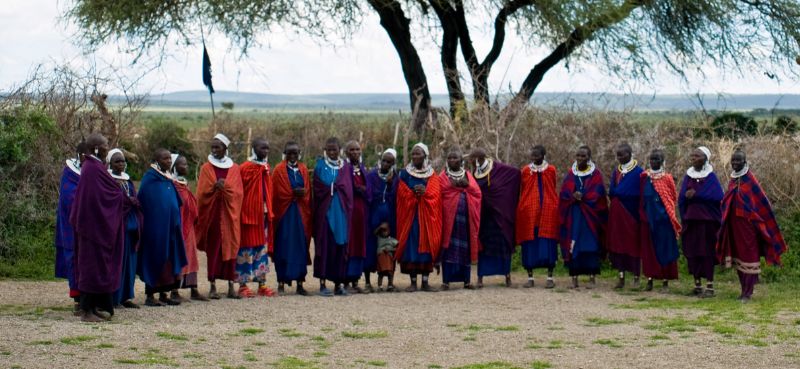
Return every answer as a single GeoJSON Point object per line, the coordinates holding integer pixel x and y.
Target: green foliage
{"type": "Point", "coordinates": [734, 125]}
{"type": "Point", "coordinates": [227, 105]}
{"type": "Point", "coordinates": [785, 125]}
{"type": "Point", "coordinates": [161, 133]}
{"type": "Point", "coordinates": [789, 271]}
{"type": "Point", "coordinates": [27, 193]}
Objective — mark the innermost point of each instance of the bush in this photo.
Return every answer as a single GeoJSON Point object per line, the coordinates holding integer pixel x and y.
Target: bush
{"type": "Point", "coordinates": [28, 193]}
{"type": "Point", "coordinates": [785, 125]}
{"type": "Point", "coordinates": [160, 133]}
{"type": "Point", "coordinates": [790, 268]}
{"type": "Point", "coordinates": [734, 125]}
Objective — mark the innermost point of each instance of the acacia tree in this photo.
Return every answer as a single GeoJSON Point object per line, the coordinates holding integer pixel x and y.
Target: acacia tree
{"type": "Point", "coordinates": [627, 38]}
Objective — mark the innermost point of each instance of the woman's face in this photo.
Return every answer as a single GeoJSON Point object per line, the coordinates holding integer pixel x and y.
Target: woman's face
{"type": "Point", "coordinates": [537, 157]}
{"type": "Point", "coordinates": [164, 160]}
{"type": "Point", "coordinates": [117, 163]}
{"type": "Point", "coordinates": [292, 153]}
{"type": "Point", "coordinates": [454, 161]}
{"type": "Point", "coordinates": [387, 162]}
{"type": "Point", "coordinates": [354, 153]}
{"type": "Point", "coordinates": [417, 157]}
{"type": "Point", "coordinates": [332, 151]}
{"type": "Point", "coordinates": [218, 149]}
{"type": "Point", "coordinates": [738, 161]}
{"type": "Point", "coordinates": [697, 158]}
{"type": "Point", "coordinates": [582, 157]}
{"type": "Point", "coordinates": [261, 149]}
{"type": "Point", "coordinates": [102, 150]}
{"type": "Point", "coordinates": [182, 166]}
{"type": "Point", "coordinates": [656, 161]}
{"type": "Point", "coordinates": [623, 156]}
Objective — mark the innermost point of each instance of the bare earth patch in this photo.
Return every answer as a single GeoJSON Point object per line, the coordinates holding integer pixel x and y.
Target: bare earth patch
{"type": "Point", "coordinates": [495, 327]}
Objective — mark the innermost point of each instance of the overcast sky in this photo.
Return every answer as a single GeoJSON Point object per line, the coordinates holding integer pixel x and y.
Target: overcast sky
{"type": "Point", "coordinates": [32, 33]}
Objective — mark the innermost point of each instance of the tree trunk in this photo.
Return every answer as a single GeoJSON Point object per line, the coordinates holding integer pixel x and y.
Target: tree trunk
{"type": "Point", "coordinates": [396, 24]}
{"type": "Point", "coordinates": [449, 55]}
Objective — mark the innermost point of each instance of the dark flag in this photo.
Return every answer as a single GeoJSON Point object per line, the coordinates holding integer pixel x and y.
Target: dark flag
{"type": "Point", "coordinates": [207, 70]}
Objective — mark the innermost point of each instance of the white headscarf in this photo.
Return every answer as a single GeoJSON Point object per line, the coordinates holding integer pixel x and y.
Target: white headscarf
{"type": "Point", "coordinates": [707, 168]}
{"type": "Point", "coordinates": [123, 176]}
{"type": "Point", "coordinates": [391, 152]}
{"type": "Point", "coordinates": [427, 169]}
{"type": "Point", "coordinates": [225, 162]}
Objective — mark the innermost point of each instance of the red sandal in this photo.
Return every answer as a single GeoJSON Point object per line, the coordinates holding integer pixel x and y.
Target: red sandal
{"type": "Point", "coordinates": [266, 292]}
{"type": "Point", "coordinates": [245, 291]}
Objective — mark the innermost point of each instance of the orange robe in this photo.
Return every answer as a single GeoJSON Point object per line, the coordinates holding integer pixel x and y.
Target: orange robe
{"type": "Point", "coordinates": [257, 212]}
{"type": "Point", "coordinates": [533, 213]}
{"type": "Point", "coordinates": [428, 208]}
{"type": "Point", "coordinates": [229, 201]}
{"type": "Point", "coordinates": [188, 222]}
{"type": "Point", "coordinates": [283, 196]}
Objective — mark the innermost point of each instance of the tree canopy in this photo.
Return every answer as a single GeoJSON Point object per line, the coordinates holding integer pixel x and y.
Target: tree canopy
{"type": "Point", "coordinates": [628, 38]}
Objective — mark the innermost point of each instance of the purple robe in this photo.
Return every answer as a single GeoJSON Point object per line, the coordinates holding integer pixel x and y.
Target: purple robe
{"type": "Point", "coordinates": [500, 195]}
{"type": "Point", "coordinates": [381, 209]}
{"type": "Point", "coordinates": [330, 258]}
{"type": "Point", "coordinates": [98, 218]}
{"type": "Point", "coordinates": [65, 236]}
{"type": "Point", "coordinates": [700, 217]}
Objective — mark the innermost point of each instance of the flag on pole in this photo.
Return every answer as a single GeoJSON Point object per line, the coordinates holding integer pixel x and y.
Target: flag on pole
{"type": "Point", "coordinates": [207, 70]}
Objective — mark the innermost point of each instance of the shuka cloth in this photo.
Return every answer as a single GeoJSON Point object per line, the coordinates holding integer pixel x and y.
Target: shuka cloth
{"type": "Point", "coordinates": [538, 205]}
{"type": "Point", "coordinates": [359, 224]}
{"type": "Point", "coordinates": [218, 223]}
{"type": "Point", "coordinates": [659, 226]}
{"type": "Point", "coordinates": [162, 255]}
{"type": "Point", "coordinates": [98, 219]}
{"type": "Point", "coordinates": [458, 255]}
{"type": "Point", "coordinates": [452, 198]}
{"type": "Point", "coordinates": [419, 222]}
{"type": "Point", "coordinates": [583, 222]}
{"type": "Point", "coordinates": [188, 223]}
{"type": "Point", "coordinates": [252, 263]}
{"type": "Point", "coordinates": [333, 208]}
{"type": "Point", "coordinates": [381, 210]}
{"type": "Point", "coordinates": [623, 220]}
{"type": "Point", "coordinates": [133, 222]}
{"type": "Point", "coordinates": [256, 205]}
{"type": "Point", "coordinates": [292, 231]}
{"type": "Point", "coordinates": [65, 236]}
{"type": "Point", "coordinates": [500, 196]}
{"type": "Point", "coordinates": [700, 217]}
{"type": "Point", "coordinates": [745, 199]}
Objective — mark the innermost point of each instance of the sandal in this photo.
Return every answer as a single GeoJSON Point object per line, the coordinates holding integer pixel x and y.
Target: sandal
{"type": "Point", "coordinates": [264, 291]}
{"type": "Point", "coordinates": [245, 291]}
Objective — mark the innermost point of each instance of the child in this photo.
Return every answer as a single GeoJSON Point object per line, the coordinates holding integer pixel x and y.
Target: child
{"type": "Point", "coordinates": [386, 247]}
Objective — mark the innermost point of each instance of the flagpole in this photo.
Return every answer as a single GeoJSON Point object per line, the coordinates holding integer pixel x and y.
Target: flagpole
{"type": "Point", "coordinates": [213, 114]}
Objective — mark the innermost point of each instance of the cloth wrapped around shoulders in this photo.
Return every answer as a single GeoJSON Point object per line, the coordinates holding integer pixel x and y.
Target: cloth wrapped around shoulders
{"type": "Point", "coordinates": [387, 244]}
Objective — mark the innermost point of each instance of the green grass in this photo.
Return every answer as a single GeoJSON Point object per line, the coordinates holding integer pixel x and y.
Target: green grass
{"type": "Point", "coordinates": [171, 336]}
{"type": "Point", "coordinates": [434, 366]}
{"type": "Point", "coordinates": [490, 365]}
{"type": "Point", "coordinates": [291, 362]}
{"type": "Point", "coordinates": [376, 363]}
{"type": "Point", "coordinates": [598, 321]}
{"type": "Point", "coordinates": [250, 357]}
{"type": "Point", "coordinates": [105, 345]}
{"type": "Point", "coordinates": [659, 337]}
{"type": "Point", "coordinates": [40, 343]}
{"type": "Point", "coordinates": [192, 355]}
{"type": "Point", "coordinates": [76, 340]}
{"type": "Point", "coordinates": [507, 328]}
{"type": "Point", "coordinates": [149, 359]}
{"type": "Point", "coordinates": [540, 364]}
{"type": "Point", "coordinates": [365, 335]}
{"type": "Point", "coordinates": [250, 331]}
{"type": "Point", "coordinates": [320, 354]}
{"type": "Point", "coordinates": [470, 338]}
{"type": "Point", "coordinates": [608, 342]}
{"type": "Point", "coordinates": [289, 332]}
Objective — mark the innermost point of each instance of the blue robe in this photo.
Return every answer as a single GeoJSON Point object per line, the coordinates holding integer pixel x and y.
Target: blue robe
{"type": "Point", "coordinates": [291, 261]}
{"type": "Point", "coordinates": [161, 254]}
{"type": "Point", "coordinates": [126, 287]}
{"type": "Point", "coordinates": [381, 209]}
{"type": "Point", "coordinates": [65, 235]}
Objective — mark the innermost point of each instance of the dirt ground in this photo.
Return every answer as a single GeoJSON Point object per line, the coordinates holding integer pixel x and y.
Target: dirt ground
{"type": "Point", "coordinates": [495, 327]}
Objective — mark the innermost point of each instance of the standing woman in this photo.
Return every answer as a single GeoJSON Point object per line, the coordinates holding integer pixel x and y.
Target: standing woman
{"type": "Point", "coordinates": [252, 261]}
{"type": "Point", "coordinates": [699, 203]}
{"type": "Point", "coordinates": [291, 202]}
{"type": "Point", "coordinates": [333, 208]}
{"type": "Point", "coordinates": [583, 207]}
{"type": "Point", "coordinates": [537, 216]}
{"type": "Point", "coordinates": [419, 218]}
{"type": "Point", "coordinates": [623, 216]}
{"type": "Point", "coordinates": [133, 222]}
{"type": "Point", "coordinates": [749, 229]}
{"type": "Point", "coordinates": [461, 220]}
{"type": "Point", "coordinates": [162, 255]}
{"type": "Point", "coordinates": [659, 224]}
{"type": "Point", "coordinates": [180, 169]}
{"type": "Point", "coordinates": [65, 236]}
{"type": "Point", "coordinates": [382, 182]}
{"type": "Point", "coordinates": [98, 219]}
{"type": "Point", "coordinates": [499, 185]}
{"type": "Point", "coordinates": [219, 203]}
{"type": "Point", "coordinates": [357, 245]}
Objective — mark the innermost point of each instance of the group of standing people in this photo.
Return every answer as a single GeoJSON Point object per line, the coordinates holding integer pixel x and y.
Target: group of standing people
{"type": "Point", "coordinates": [367, 221]}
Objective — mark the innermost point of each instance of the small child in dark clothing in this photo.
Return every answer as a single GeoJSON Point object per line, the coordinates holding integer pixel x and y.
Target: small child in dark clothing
{"type": "Point", "coordinates": [386, 248]}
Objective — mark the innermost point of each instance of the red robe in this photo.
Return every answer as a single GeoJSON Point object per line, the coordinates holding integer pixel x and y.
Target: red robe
{"type": "Point", "coordinates": [188, 222]}
{"type": "Point", "coordinates": [256, 205]}
{"type": "Point", "coordinates": [229, 200]}
{"type": "Point", "coordinates": [531, 213]}
{"type": "Point", "coordinates": [450, 196]}
{"type": "Point", "coordinates": [283, 196]}
{"type": "Point", "coordinates": [429, 213]}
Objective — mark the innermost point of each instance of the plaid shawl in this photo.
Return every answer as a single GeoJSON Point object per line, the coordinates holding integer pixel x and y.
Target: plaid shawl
{"type": "Point", "coordinates": [746, 198]}
{"type": "Point", "coordinates": [665, 187]}
{"type": "Point", "coordinates": [531, 212]}
{"type": "Point", "coordinates": [594, 206]}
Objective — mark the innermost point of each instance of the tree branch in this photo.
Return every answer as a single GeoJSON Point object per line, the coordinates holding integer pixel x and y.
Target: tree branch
{"type": "Point", "coordinates": [449, 53]}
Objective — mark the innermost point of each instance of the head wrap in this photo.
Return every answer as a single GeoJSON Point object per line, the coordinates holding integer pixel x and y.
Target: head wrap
{"type": "Point", "coordinates": [707, 168]}
{"type": "Point", "coordinates": [706, 152]}
{"type": "Point", "coordinates": [223, 139]}
{"type": "Point", "coordinates": [123, 176]}
{"type": "Point", "coordinates": [423, 147]}
{"type": "Point", "coordinates": [391, 152]}
{"type": "Point", "coordinates": [174, 158]}
{"type": "Point", "coordinates": [111, 154]}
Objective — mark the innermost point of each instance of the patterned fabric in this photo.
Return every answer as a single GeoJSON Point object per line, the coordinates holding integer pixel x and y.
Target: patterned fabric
{"type": "Point", "coordinates": [538, 204]}
{"type": "Point", "coordinates": [452, 197]}
{"type": "Point", "coordinates": [256, 204]}
{"type": "Point", "coordinates": [745, 198]}
{"type": "Point", "coordinates": [252, 263]}
{"type": "Point", "coordinates": [458, 251]}
{"type": "Point", "coordinates": [593, 206]}
{"type": "Point", "coordinates": [664, 185]}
